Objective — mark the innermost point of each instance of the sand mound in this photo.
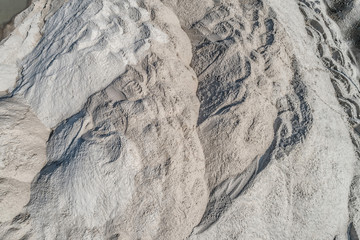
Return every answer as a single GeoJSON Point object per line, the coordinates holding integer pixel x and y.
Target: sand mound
{"type": "Point", "coordinates": [181, 120]}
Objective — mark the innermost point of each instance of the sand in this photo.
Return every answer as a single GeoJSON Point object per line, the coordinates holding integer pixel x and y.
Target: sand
{"type": "Point", "coordinates": [181, 119]}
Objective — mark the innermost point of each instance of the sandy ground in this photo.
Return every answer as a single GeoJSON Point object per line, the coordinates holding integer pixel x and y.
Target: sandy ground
{"type": "Point", "coordinates": [117, 124]}
{"type": "Point", "coordinates": [9, 8]}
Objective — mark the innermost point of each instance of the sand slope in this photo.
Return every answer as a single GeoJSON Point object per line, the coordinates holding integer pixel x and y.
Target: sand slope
{"type": "Point", "coordinates": [181, 120]}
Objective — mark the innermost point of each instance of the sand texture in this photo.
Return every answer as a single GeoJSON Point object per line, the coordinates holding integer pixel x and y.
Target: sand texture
{"type": "Point", "coordinates": [164, 119]}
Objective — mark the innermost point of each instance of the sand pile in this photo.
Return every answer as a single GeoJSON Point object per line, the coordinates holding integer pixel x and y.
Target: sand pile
{"type": "Point", "coordinates": [180, 120]}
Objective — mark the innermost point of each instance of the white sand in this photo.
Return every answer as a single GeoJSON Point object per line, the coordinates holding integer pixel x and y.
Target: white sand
{"type": "Point", "coordinates": [180, 119]}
